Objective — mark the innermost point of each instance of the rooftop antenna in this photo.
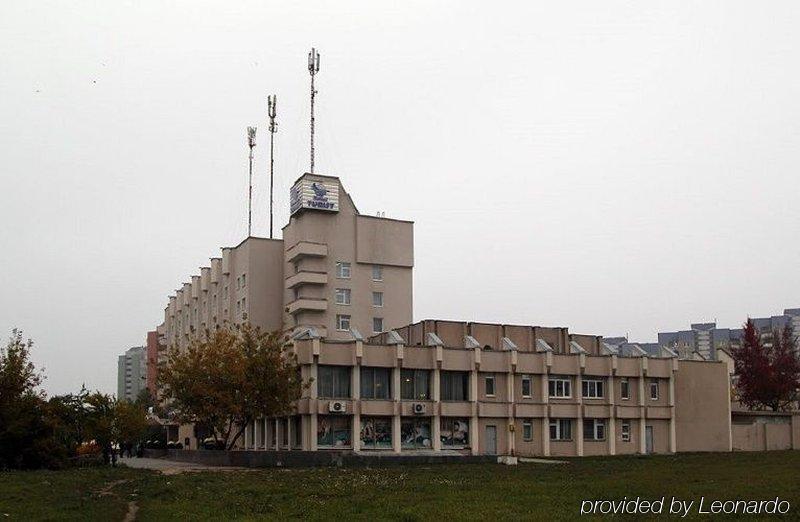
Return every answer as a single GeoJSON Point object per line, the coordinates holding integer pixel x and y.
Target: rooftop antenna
{"type": "Point", "coordinates": [272, 102]}
{"type": "Point", "coordinates": [313, 69]}
{"type": "Point", "coordinates": [251, 142]}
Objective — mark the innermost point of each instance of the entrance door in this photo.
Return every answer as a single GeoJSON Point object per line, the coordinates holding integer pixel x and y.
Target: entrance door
{"type": "Point", "coordinates": [491, 440]}
{"type": "Point", "coordinates": [648, 439]}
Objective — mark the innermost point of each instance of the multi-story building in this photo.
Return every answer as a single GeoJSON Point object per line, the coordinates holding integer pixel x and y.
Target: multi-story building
{"type": "Point", "coordinates": [131, 373]}
{"type": "Point", "coordinates": [705, 338]}
{"type": "Point", "coordinates": [335, 271]}
{"type": "Point", "coordinates": [475, 388]}
{"type": "Point", "coordinates": [156, 354]}
{"type": "Point", "coordinates": [342, 283]}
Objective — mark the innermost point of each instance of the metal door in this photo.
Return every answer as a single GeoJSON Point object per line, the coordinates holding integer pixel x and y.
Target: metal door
{"type": "Point", "coordinates": [491, 440]}
{"type": "Point", "coordinates": [648, 439]}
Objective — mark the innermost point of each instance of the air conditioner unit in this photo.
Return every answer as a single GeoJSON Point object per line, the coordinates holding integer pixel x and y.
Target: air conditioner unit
{"type": "Point", "coordinates": [337, 407]}
{"type": "Point", "coordinates": [418, 408]}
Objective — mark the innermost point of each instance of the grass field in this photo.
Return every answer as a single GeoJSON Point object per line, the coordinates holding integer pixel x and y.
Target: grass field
{"type": "Point", "coordinates": [452, 492]}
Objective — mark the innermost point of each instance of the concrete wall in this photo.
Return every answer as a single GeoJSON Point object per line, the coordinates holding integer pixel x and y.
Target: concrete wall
{"type": "Point", "coordinates": [765, 431]}
{"type": "Point", "coordinates": [702, 406]}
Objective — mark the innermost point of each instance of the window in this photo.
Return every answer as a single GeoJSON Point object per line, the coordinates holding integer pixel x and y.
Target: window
{"type": "Point", "coordinates": [377, 324]}
{"type": "Point", "coordinates": [238, 283]}
{"type": "Point", "coordinates": [527, 431]}
{"type": "Point", "coordinates": [333, 431]}
{"type": "Point", "coordinates": [415, 433]}
{"type": "Point", "coordinates": [244, 280]}
{"type": "Point", "coordinates": [625, 389]}
{"type": "Point", "coordinates": [593, 388]}
{"type": "Point", "coordinates": [333, 382]}
{"type": "Point", "coordinates": [561, 429]}
{"type": "Point", "coordinates": [377, 299]}
{"type": "Point", "coordinates": [415, 385]}
{"type": "Point", "coordinates": [654, 389]}
{"type": "Point", "coordinates": [377, 273]}
{"type": "Point", "coordinates": [244, 304]}
{"type": "Point", "coordinates": [376, 383]}
{"type": "Point", "coordinates": [560, 387]}
{"type": "Point", "coordinates": [342, 270]}
{"type": "Point", "coordinates": [454, 433]}
{"type": "Point", "coordinates": [626, 431]}
{"type": "Point", "coordinates": [376, 432]}
{"type": "Point", "coordinates": [284, 433]}
{"type": "Point", "coordinates": [527, 386]}
{"type": "Point", "coordinates": [238, 306]}
{"type": "Point", "coordinates": [489, 381]}
{"type": "Point", "coordinates": [455, 386]}
{"type": "Point", "coordinates": [343, 296]}
{"type": "Point", "coordinates": [297, 432]}
{"type": "Point", "coordinates": [594, 429]}
{"type": "Point", "coordinates": [342, 322]}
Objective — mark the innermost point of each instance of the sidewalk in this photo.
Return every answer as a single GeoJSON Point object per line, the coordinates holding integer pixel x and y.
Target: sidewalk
{"type": "Point", "coordinates": [170, 467]}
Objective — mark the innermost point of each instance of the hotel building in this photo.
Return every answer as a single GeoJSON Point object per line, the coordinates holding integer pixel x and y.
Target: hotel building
{"type": "Point", "coordinates": [341, 282]}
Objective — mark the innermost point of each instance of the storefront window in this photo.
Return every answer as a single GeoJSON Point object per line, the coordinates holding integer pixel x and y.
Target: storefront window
{"type": "Point", "coordinates": [333, 432]}
{"type": "Point", "coordinates": [415, 433]}
{"type": "Point", "coordinates": [454, 432]}
{"type": "Point", "coordinates": [376, 432]}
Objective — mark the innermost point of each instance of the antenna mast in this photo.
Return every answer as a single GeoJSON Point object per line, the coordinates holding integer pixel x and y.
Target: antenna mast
{"type": "Point", "coordinates": [251, 142]}
{"type": "Point", "coordinates": [313, 69]}
{"type": "Point", "coordinates": [272, 102]}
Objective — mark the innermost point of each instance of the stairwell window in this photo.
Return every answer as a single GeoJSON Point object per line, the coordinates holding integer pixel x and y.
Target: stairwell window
{"type": "Point", "coordinates": [377, 299]}
{"type": "Point", "coordinates": [342, 322]}
{"type": "Point", "coordinates": [342, 296]}
{"type": "Point", "coordinates": [342, 270]}
{"type": "Point", "coordinates": [377, 273]}
{"type": "Point", "coordinates": [377, 324]}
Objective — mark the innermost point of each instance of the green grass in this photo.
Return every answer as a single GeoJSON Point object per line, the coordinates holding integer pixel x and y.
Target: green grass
{"type": "Point", "coordinates": [462, 491]}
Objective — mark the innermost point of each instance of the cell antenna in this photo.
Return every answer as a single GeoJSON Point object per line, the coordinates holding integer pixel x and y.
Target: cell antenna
{"type": "Point", "coordinates": [272, 103]}
{"type": "Point", "coordinates": [313, 69]}
{"type": "Point", "coordinates": [251, 142]}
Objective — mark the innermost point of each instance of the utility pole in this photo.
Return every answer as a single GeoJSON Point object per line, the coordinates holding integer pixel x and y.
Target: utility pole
{"type": "Point", "coordinates": [313, 69]}
{"type": "Point", "coordinates": [272, 102]}
{"type": "Point", "coordinates": [251, 142]}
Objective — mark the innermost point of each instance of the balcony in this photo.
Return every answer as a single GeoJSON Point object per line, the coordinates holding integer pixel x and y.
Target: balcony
{"type": "Point", "coordinates": [306, 249]}
{"type": "Point", "coordinates": [306, 277]}
{"type": "Point", "coordinates": [307, 304]}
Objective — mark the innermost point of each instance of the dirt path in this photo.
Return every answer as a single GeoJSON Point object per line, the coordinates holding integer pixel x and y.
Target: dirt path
{"type": "Point", "coordinates": [130, 515]}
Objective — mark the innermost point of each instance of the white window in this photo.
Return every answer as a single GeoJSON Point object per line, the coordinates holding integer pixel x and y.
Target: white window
{"type": "Point", "coordinates": [594, 429]}
{"type": "Point", "coordinates": [489, 385]}
{"type": "Point", "coordinates": [343, 296]}
{"type": "Point", "coordinates": [593, 389]}
{"type": "Point", "coordinates": [377, 273]}
{"type": "Point", "coordinates": [560, 387]}
{"type": "Point", "coordinates": [654, 389]}
{"type": "Point", "coordinates": [625, 389]}
{"type": "Point", "coordinates": [342, 323]}
{"type": "Point", "coordinates": [342, 270]}
{"type": "Point", "coordinates": [377, 299]}
{"type": "Point", "coordinates": [527, 386]}
{"type": "Point", "coordinates": [626, 431]}
{"type": "Point", "coordinates": [377, 324]}
{"type": "Point", "coordinates": [527, 431]}
{"type": "Point", "coordinates": [561, 429]}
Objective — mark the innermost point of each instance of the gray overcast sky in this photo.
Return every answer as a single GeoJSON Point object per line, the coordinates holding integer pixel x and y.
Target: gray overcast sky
{"type": "Point", "coordinates": [609, 166]}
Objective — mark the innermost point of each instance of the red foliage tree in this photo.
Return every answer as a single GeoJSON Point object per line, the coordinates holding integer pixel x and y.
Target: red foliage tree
{"type": "Point", "coordinates": [768, 376]}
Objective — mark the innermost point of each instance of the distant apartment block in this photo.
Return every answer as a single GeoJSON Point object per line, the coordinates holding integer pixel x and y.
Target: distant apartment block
{"type": "Point", "coordinates": [705, 339]}
{"type": "Point", "coordinates": [131, 373]}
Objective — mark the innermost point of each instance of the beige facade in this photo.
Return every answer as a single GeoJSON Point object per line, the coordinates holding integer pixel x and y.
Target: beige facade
{"type": "Point", "coordinates": [483, 392]}
{"type": "Point", "coordinates": [333, 271]}
{"type": "Point", "coordinates": [342, 283]}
